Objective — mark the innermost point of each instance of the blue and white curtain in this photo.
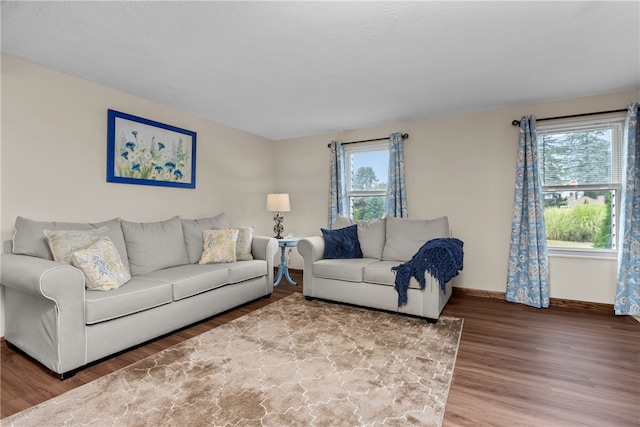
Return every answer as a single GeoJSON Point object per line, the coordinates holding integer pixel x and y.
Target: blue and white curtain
{"type": "Point", "coordinates": [396, 188]}
{"type": "Point", "coordinates": [528, 276]}
{"type": "Point", "coordinates": [338, 204]}
{"type": "Point", "coordinates": [628, 288]}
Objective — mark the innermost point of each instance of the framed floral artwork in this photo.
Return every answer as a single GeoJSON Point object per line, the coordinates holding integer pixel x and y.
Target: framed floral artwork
{"type": "Point", "coordinates": [141, 151]}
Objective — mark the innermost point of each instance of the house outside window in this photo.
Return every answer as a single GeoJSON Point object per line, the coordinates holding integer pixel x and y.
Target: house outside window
{"type": "Point", "coordinates": [367, 173]}
{"type": "Point", "coordinates": [580, 165]}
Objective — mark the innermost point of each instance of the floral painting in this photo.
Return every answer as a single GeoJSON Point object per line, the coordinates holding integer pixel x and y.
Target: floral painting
{"type": "Point", "coordinates": [141, 151]}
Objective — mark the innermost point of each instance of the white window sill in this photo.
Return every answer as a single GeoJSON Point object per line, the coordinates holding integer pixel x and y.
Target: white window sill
{"type": "Point", "coordinates": [583, 253]}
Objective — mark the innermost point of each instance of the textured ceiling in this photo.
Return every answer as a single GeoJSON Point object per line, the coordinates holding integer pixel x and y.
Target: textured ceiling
{"type": "Point", "coordinates": [289, 69]}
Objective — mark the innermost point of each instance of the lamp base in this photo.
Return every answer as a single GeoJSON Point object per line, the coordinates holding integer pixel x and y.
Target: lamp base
{"type": "Point", "coordinates": [278, 228]}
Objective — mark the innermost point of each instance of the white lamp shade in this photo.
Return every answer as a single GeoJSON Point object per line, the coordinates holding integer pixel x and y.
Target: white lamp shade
{"type": "Point", "coordinates": [278, 202]}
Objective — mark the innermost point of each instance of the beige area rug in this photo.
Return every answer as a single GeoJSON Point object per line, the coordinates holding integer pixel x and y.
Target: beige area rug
{"type": "Point", "coordinates": [291, 363]}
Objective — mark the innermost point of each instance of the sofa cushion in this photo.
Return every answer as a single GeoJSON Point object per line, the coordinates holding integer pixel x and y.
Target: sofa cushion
{"type": "Point", "coordinates": [137, 295]}
{"type": "Point", "coordinates": [342, 243]}
{"type": "Point", "coordinates": [380, 273]}
{"type": "Point", "coordinates": [101, 265]}
{"type": "Point", "coordinates": [405, 236]}
{"type": "Point", "coordinates": [29, 238]}
{"type": "Point", "coordinates": [191, 279]}
{"type": "Point", "coordinates": [245, 270]}
{"type": "Point", "coordinates": [154, 245]}
{"type": "Point", "coordinates": [193, 228]}
{"type": "Point", "coordinates": [63, 243]}
{"type": "Point", "coordinates": [219, 246]}
{"type": "Point", "coordinates": [350, 270]}
{"type": "Point", "coordinates": [371, 234]}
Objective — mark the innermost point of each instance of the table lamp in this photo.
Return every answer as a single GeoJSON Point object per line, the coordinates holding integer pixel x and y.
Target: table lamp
{"type": "Point", "coordinates": [278, 203]}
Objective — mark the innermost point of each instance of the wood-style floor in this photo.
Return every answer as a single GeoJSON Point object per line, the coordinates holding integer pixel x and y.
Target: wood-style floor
{"type": "Point", "coordinates": [516, 365]}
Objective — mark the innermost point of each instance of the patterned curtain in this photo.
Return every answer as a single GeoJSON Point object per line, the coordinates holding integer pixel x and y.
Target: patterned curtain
{"type": "Point", "coordinates": [338, 204]}
{"type": "Point", "coordinates": [396, 189]}
{"type": "Point", "coordinates": [628, 289]}
{"type": "Point", "coordinates": [528, 277]}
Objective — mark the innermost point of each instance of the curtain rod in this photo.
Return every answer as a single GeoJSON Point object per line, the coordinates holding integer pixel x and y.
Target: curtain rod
{"type": "Point", "coordinates": [404, 136]}
{"type": "Point", "coordinates": [517, 122]}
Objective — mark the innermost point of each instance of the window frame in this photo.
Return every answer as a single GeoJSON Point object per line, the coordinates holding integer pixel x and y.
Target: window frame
{"type": "Point", "coordinates": [616, 188]}
{"type": "Point", "coordinates": [361, 147]}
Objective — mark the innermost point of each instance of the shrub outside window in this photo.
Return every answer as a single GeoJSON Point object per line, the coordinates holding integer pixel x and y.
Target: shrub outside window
{"type": "Point", "coordinates": [367, 173]}
{"type": "Point", "coordinates": [580, 165]}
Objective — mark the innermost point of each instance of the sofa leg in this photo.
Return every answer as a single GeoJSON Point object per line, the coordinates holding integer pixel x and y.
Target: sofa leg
{"type": "Point", "coordinates": [430, 320]}
{"type": "Point", "coordinates": [308, 298]}
{"type": "Point", "coordinates": [67, 375]}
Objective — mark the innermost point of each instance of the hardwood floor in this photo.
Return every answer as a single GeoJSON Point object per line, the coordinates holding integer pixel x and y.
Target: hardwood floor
{"type": "Point", "coordinates": [516, 365]}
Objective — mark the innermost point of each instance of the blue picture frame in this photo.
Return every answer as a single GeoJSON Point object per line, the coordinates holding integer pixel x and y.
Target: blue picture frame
{"type": "Point", "coordinates": [145, 152]}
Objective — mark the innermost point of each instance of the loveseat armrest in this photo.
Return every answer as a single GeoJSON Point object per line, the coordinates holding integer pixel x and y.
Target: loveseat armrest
{"type": "Point", "coordinates": [44, 310]}
{"type": "Point", "coordinates": [311, 248]}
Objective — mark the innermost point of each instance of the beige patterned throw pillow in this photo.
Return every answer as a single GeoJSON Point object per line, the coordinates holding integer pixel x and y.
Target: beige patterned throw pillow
{"type": "Point", "coordinates": [101, 265]}
{"type": "Point", "coordinates": [63, 243]}
{"type": "Point", "coordinates": [243, 245]}
{"type": "Point", "coordinates": [219, 246]}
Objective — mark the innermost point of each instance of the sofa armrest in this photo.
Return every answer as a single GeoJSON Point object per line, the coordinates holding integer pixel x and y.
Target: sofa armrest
{"type": "Point", "coordinates": [44, 310]}
{"type": "Point", "coordinates": [263, 247]}
{"type": "Point", "coordinates": [53, 280]}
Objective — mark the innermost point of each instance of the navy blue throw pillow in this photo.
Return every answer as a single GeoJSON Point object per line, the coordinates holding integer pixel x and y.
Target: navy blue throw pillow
{"type": "Point", "coordinates": [342, 243]}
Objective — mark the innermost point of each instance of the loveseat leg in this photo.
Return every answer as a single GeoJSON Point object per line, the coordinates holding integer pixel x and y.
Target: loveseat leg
{"type": "Point", "coordinates": [431, 320]}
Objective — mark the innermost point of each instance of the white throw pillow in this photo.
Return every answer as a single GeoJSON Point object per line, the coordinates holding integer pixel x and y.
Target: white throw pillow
{"type": "Point", "coordinates": [243, 244]}
{"type": "Point", "coordinates": [63, 243]}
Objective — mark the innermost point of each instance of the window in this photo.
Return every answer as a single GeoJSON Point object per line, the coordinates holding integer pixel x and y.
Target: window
{"type": "Point", "coordinates": [580, 165]}
{"type": "Point", "coordinates": [367, 172]}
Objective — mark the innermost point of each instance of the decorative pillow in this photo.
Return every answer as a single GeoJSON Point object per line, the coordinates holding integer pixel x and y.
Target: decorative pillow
{"type": "Point", "coordinates": [29, 238]}
{"type": "Point", "coordinates": [406, 236]}
{"type": "Point", "coordinates": [371, 234]}
{"type": "Point", "coordinates": [153, 246]}
{"type": "Point", "coordinates": [193, 228]}
{"type": "Point", "coordinates": [243, 244]}
{"type": "Point", "coordinates": [101, 265]}
{"type": "Point", "coordinates": [342, 243]}
{"type": "Point", "coordinates": [219, 246]}
{"type": "Point", "coordinates": [63, 243]}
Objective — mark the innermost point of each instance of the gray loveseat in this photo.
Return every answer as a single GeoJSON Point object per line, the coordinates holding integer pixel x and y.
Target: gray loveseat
{"type": "Point", "coordinates": [52, 317]}
{"type": "Point", "coordinates": [369, 281]}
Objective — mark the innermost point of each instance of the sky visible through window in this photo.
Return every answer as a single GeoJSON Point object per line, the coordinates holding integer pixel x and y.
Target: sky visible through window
{"type": "Point", "coordinates": [378, 160]}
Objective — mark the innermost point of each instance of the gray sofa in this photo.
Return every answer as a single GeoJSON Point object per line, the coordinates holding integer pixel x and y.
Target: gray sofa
{"type": "Point", "coordinates": [369, 281]}
{"type": "Point", "coordinates": [52, 317]}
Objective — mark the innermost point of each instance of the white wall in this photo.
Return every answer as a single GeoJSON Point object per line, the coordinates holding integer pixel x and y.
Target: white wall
{"type": "Point", "coordinates": [460, 166]}
{"type": "Point", "coordinates": [54, 157]}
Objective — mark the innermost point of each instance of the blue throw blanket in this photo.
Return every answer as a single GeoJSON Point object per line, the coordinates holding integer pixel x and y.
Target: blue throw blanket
{"type": "Point", "coordinates": [442, 258]}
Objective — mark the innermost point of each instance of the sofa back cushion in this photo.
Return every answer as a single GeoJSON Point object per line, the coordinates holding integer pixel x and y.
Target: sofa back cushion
{"type": "Point", "coordinates": [29, 238]}
{"type": "Point", "coordinates": [406, 236]}
{"type": "Point", "coordinates": [371, 234]}
{"type": "Point", "coordinates": [152, 246]}
{"type": "Point", "coordinates": [193, 228]}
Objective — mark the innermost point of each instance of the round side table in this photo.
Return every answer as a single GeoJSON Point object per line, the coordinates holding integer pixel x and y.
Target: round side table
{"type": "Point", "coordinates": [283, 269]}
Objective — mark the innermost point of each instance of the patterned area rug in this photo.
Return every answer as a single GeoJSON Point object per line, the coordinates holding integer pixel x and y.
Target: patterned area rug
{"type": "Point", "coordinates": [291, 363]}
